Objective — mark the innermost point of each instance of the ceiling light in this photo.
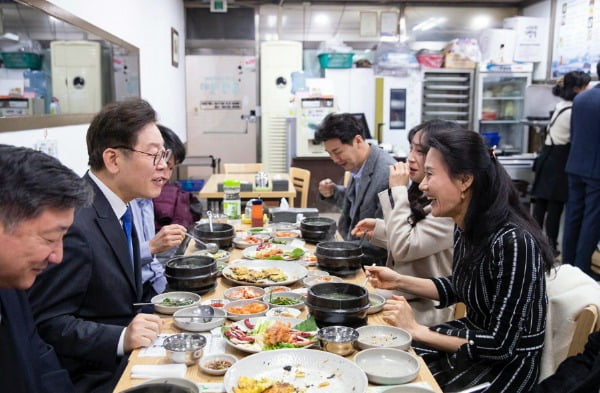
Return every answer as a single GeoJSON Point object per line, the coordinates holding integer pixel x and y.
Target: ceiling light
{"type": "Point", "coordinates": [429, 23]}
{"type": "Point", "coordinates": [480, 22]}
{"type": "Point", "coordinates": [321, 19]}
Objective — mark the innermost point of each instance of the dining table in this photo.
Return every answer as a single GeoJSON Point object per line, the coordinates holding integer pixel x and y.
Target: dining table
{"type": "Point", "coordinates": [210, 190]}
{"type": "Point", "coordinates": [194, 373]}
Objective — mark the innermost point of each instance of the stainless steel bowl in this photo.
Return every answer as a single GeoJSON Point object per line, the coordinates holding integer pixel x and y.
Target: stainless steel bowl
{"type": "Point", "coordinates": [185, 347]}
{"type": "Point", "coordinates": [338, 339]}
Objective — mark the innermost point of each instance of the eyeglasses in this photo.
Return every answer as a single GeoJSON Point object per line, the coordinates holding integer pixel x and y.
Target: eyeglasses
{"type": "Point", "coordinates": [158, 157]}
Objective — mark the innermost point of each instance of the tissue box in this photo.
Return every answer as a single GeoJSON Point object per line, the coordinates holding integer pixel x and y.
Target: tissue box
{"type": "Point", "coordinates": [279, 214]}
{"type": "Point", "coordinates": [245, 186]}
{"type": "Point", "coordinates": [280, 184]}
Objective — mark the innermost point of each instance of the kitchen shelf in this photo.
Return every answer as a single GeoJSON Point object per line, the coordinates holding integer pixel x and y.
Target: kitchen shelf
{"type": "Point", "coordinates": [446, 87]}
{"type": "Point", "coordinates": [446, 113]}
{"type": "Point", "coordinates": [448, 96]}
{"type": "Point", "coordinates": [448, 104]}
{"type": "Point", "coordinates": [503, 98]}
{"type": "Point", "coordinates": [446, 79]}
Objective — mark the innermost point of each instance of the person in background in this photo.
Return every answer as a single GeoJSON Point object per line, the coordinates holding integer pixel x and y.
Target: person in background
{"type": "Point", "coordinates": [582, 215]}
{"type": "Point", "coordinates": [418, 244]}
{"type": "Point", "coordinates": [343, 138]}
{"type": "Point", "coordinates": [38, 199]}
{"type": "Point", "coordinates": [500, 257]}
{"type": "Point", "coordinates": [576, 374]}
{"type": "Point", "coordinates": [550, 186]}
{"type": "Point", "coordinates": [169, 236]}
{"type": "Point", "coordinates": [84, 306]}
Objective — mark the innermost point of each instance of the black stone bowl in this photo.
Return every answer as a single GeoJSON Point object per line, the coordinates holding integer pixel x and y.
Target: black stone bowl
{"type": "Point", "coordinates": [340, 303]}
{"type": "Point", "coordinates": [193, 273]}
{"type": "Point", "coordinates": [317, 229]}
{"type": "Point", "coordinates": [340, 258]}
{"type": "Point", "coordinates": [222, 234]}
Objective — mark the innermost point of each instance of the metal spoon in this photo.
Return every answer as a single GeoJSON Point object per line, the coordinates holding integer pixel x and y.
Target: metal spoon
{"type": "Point", "coordinates": [209, 215]}
{"type": "Point", "coordinates": [210, 247]}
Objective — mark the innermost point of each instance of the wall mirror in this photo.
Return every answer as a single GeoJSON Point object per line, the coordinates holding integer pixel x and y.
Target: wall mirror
{"type": "Point", "coordinates": [58, 69]}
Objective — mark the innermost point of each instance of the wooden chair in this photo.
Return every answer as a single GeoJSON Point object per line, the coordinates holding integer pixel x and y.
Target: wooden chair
{"type": "Point", "coordinates": [301, 180]}
{"type": "Point", "coordinates": [460, 310]}
{"type": "Point", "coordinates": [230, 168]}
{"type": "Point", "coordinates": [585, 324]}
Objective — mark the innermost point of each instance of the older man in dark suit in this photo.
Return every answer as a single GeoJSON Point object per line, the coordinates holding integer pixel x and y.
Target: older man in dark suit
{"type": "Point", "coordinates": [343, 137]}
{"type": "Point", "coordinates": [84, 307]}
{"type": "Point", "coordinates": [582, 215]}
{"type": "Point", "coordinates": [37, 203]}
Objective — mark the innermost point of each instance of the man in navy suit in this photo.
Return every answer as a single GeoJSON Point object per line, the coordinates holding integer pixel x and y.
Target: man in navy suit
{"type": "Point", "coordinates": [84, 306]}
{"type": "Point", "coordinates": [582, 214]}
{"type": "Point", "coordinates": [37, 203]}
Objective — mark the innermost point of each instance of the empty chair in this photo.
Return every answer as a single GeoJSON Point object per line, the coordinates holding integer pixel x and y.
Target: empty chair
{"type": "Point", "coordinates": [230, 168]}
{"type": "Point", "coordinates": [300, 178]}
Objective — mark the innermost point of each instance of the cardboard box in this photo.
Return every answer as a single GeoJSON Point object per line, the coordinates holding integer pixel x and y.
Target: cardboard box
{"type": "Point", "coordinates": [453, 60]}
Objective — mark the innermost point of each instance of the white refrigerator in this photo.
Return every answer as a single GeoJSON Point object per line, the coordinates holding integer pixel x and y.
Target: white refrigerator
{"type": "Point", "coordinates": [499, 110]}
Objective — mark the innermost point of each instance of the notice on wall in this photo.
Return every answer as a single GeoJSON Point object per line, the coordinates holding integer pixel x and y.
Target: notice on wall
{"type": "Point", "coordinates": [576, 30]}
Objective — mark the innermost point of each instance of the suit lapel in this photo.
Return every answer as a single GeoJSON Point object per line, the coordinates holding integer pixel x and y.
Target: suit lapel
{"type": "Point", "coordinates": [365, 181]}
{"type": "Point", "coordinates": [111, 228]}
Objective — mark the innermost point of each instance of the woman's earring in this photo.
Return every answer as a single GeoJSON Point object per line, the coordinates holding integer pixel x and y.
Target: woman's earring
{"type": "Point", "coordinates": [462, 195]}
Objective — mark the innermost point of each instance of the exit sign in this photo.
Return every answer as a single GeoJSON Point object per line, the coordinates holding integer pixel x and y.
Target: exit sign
{"type": "Point", "coordinates": [218, 5]}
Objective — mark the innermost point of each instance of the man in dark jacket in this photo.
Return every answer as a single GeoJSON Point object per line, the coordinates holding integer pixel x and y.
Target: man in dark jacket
{"type": "Point", "coordinates": [343, 137]}
{"type": "Point", "coordinates": [577, 374]}
{"type": "Point", "coordinates": [37, 203]}
{"type": "Point", "coordinates": [582, 216]}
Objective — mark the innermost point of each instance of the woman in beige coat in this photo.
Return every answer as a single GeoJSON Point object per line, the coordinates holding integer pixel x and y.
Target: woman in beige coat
{"type": "Point", "coordinates": [418, 244]}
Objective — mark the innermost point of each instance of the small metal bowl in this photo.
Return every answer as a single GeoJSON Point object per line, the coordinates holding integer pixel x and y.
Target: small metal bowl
{"type": "Point", "coordinates": [185, 347]}
{"type": "Point", "coordinates": [337, 339]}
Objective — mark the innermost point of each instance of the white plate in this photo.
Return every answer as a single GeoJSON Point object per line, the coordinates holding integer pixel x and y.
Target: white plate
{"type": "Point", "coordinates": [283, 312]}
{"type": "Point", "coordinates": [383, 336]}
{"type": "Point", "coordinates": [293, 271]}
{"type": "Point", "coordinates": [317, 366]}
{"type": "Point", "coordinates": [387, 366]}
{"type": "Point", "coordinates": [241, 303]}
{"type": "Point", "coordinates": [407, 389]}
{"type": "Point", "coordinates": [240, 241]}
{"type": "Point", "coordinates": [250, 252]}
{"type": "Point", "coordinates": [253, 348]}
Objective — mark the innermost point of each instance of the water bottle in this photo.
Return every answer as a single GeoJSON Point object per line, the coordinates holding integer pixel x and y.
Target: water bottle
{"type": "Point", "coordinates": [232, 204]}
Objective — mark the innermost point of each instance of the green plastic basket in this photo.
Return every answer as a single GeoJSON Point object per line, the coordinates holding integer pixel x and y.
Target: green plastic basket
{"type": "Point", "coordinates": [336, 60]}
{"type": "Point", "coordinates": [29, 60]}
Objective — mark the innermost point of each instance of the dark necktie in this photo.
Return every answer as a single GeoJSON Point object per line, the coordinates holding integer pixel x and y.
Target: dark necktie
{"type": "Point", "coordinates": [127, 221]}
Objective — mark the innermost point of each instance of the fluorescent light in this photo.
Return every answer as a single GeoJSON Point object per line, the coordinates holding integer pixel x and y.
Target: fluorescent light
{"type": "Point", "coordinates": [321, 19]}
{"type": "Point", "coordinates": [429, 23]}
{"type": "Point", "coordinates": [480, 22]}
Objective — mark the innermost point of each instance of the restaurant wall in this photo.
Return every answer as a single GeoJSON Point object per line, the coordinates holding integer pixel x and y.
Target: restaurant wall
{"type": "Point", "coordinates": [146, 25]}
